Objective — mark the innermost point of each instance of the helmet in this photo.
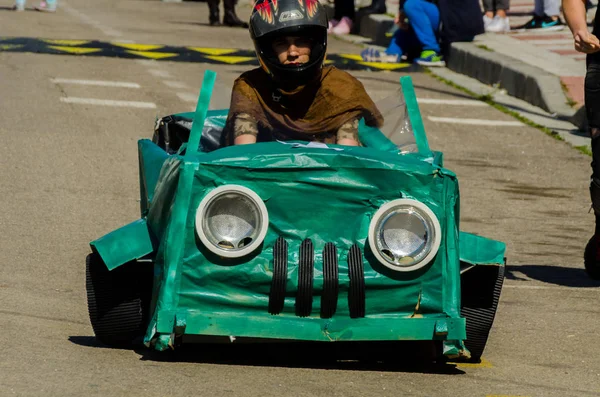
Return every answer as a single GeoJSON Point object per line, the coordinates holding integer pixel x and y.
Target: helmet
{"type": "Point", "coordinates": [272, 19]}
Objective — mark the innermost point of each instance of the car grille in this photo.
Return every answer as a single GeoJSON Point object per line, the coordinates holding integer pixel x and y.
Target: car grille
{"type": "Point", "coordinates": [329, 295]}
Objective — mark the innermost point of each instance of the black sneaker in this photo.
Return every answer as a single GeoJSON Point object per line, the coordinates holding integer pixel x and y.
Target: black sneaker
{"type": "Point", "coordinates": [545, 23]}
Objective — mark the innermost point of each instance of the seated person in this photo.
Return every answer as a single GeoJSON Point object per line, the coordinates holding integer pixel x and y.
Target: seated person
{"type": "Point", "coordinates": [292, 96]}
{"type": "Point", "coordinates": [418, 33]}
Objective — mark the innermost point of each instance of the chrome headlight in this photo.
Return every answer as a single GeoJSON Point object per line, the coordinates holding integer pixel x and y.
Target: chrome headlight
{"type": "Point", "coordinates": [404, 235]}
{"type": "Point", "coordinates": [232, 221]}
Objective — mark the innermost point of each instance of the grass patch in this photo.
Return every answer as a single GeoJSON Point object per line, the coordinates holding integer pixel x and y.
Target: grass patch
{"type": "Point", "coordinates": [570, 101]}
{"type": "Point", "coordinates": [584, 150]}
{"type": "Point", "coordinates": [484, 47]}
{"type": "Point", "coordinates": [488, 98]}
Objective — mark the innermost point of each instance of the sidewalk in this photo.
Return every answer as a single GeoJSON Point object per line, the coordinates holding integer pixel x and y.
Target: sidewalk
{"type": "Point", "coordinates": [539, 67]}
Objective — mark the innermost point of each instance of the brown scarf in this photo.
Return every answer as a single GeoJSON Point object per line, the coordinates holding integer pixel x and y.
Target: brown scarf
{"type": "Point", "coordinates": [312, 112]}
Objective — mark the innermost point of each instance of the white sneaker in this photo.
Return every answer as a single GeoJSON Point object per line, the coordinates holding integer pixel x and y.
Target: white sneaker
{"type": "Point", "coordinates": [486, 22]}
{"type": "Point", "coordinates": [499, 25]}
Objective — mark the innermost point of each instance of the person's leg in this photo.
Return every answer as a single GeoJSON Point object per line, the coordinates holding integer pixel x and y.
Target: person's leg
{"type": "Point", "coordinates": [213, 12]}
{"type": "Point", "coordinates": [344, 10]}
{"type": "Point", "coordinates": [488, 8]}
{"type": "Point", "coordinates": [424, 18]}
{"type": "Point", "coordinates": [19, 5]}
{"type": "Point", "coordinates": [230, 18]}
{"type": "Point", "coordinates": [592, 107]}
{"type": "Point", "coordinates": [538, 9]}
{"type": "Point", "coordinates": [552, 8]}
{"type": "Point", "coordinates": [501, 7]}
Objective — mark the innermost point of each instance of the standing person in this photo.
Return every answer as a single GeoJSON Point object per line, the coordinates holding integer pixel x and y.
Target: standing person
{"type": "Point", "coordinates": [45, 6]}
{"type": "Point", "coordinates": [546, 16]}
{"type": "Point", "coordinates": [494, 17]}
{"type": "Point", "coordinates": [588, 43]}
{"type": "Point", "coordinates": [229, 19]}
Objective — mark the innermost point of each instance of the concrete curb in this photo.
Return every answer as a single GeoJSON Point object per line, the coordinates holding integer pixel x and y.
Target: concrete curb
{"type": "Point", "coordinates": [519, 79]}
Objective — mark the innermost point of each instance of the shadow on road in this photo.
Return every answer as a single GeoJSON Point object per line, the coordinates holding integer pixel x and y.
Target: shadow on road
{"type": "Point", "coordinates": [410, 357]}
{"type": "Point", "coordinates": [564, 276]}
{"type": "Point", "coordinates": [374, 356]}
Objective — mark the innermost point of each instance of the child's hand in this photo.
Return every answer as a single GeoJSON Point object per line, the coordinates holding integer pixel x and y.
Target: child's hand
{"type": "Point", "coordinates": [586, 42]}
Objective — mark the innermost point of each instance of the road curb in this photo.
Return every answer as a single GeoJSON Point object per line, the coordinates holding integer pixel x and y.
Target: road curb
{"type": "Point", "coordinates": [519, 79]}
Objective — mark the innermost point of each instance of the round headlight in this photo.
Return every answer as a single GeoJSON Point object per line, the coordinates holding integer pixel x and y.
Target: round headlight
{"type": "Point", "coordinates": [232, 221]}
{"type": "Point", "coordinates": [404, 235]}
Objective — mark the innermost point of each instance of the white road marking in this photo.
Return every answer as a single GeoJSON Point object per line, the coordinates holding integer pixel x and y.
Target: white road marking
{"type": "Point", "coordinates": [159, 73]}
{"type": "Point", "coordinates": [147, 62]}
{"type": "Point", "coordinates": [457, 102]}
{"type": "Point", "coordinates": [544, 287]}
{"type": "Point", "coordinates": [452, 120]}
{"type": "Point", "coordinates": [174, 84]}
{"type": "Point", "coordinates": [104, 29]}
{"type": "Point", "coordinates": [108, 102]}
{"type": "Point", "coordinates": [120, 84]}
{"type": "Point", "coordinates": [186, 97]}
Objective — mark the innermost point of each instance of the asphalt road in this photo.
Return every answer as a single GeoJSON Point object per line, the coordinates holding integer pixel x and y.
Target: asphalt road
{"type": "Point", "coordinates": [68, 175]}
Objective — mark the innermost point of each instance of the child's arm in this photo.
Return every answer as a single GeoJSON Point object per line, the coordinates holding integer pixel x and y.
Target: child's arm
{"type": "Point", "coordinates": [245, 129]}
{"type": "Point", "coordinates": [348, 134]}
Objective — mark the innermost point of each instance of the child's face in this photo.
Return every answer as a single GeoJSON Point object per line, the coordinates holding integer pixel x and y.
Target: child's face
{"type": "Point", "coordinates": [292, 50]}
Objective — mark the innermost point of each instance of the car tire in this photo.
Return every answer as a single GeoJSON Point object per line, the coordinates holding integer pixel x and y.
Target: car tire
{"type": "Point", "coordinates": [481, 287]}
{"type": "Point", "coordinates": [590, 259]}
{"type": "Point", "coordinates": [118, 300]}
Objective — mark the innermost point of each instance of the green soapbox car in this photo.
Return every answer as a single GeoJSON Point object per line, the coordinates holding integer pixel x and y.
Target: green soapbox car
{"type": "Point", "coordinates": [295, 241]}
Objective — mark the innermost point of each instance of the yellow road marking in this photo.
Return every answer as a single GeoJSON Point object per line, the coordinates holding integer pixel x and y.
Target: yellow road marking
{"type": "Point", "coordinates": [385, 66]}
{"type": "Point", "coordinates": [214, 51]}
{"type": "Point", "coordinates": [153, 55]}
{"type": "Point", "coordinates": [328, 62]}
{"type": "Point", "coordinates": [138, 47]}
{"type": "Point", "coordinates": [354, 57]}
{"type": "Point", "coordinates": [75, 50]}
{"type": "Point", "coordinates": [67, 42]}
{"type": "Point", "coordinates": [483, 364]}
{"type": "Point", "coordinates": [10, 46]}
{"type": "Point", "coordinates": [231, 59]}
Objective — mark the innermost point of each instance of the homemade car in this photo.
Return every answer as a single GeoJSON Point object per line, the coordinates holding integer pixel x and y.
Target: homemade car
{"type": "Point", "coordinates": [295, 241]}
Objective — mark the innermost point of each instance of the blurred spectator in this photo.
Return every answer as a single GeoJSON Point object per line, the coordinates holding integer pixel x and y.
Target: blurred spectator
{"type": "Point", "coordinates": [229, 19]}
{"type": "Point", "coordinates": [45, 6]}
{"type": "Point", "coordinates": [588, 43]}
{"type": "Point", "coordinates": [343, 17]}
{"type": "Point", "coordinates": [418, 22]}
{"type": "Point", "coordinates": [426, 29]}
{"type": "Point", "coordinates": [495, 18]}
{"type": "Point", "coordinates": [546, 16]}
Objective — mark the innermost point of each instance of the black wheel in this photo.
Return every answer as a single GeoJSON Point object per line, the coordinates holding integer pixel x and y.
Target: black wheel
{"type": "Point", "coordinates": [591, 259]}
{"type": "Point", "coordinates": [481, 287]}
{"type": "Point", "coordinates": [118, 300]}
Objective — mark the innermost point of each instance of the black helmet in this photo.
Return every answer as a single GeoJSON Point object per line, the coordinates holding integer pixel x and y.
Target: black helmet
{"type": "Point", "coordinates": [272, 19]}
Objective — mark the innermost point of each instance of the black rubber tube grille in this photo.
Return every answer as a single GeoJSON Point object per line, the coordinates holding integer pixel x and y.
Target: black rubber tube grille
{"type": "Point", "coordinates": [356, 292]}
{"type": "Point", "coordinates": [278, 284]}
{"type": "Point", "coordinates": [329, 296]}
{"type": "Point", "coordinates": [304, 297]}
